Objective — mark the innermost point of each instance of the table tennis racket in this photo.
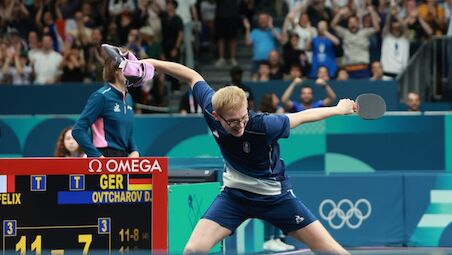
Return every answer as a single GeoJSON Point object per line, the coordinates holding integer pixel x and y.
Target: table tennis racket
{"type": "Point", "coordinates": [370, 106]}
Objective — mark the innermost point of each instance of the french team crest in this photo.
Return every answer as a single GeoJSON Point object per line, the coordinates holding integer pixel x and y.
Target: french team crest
{"type": "Point", "coordinates": [246, 147]}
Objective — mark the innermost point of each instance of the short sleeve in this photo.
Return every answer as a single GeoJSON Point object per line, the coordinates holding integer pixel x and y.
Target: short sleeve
{"type": "Point", "coordinates": [317, 104]}
{"type": "Point", "coordinates": [276, 126]}
{"type": "Point", "coordinates": [203, 93]}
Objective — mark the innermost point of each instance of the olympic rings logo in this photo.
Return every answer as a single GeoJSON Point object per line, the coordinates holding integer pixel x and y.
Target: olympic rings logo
{"type": "Point", "coordinates": [345, 212]}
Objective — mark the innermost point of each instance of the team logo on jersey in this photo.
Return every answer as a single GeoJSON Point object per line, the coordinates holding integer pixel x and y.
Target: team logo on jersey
{"type": "Point", "coordinates": [299, 219]}
{"type": "Point", "coordinates": [246, 147]}
{"type": "Point", "coordinates": [117, 109]}
{"type": "Point", "coordinates": [129, 107]}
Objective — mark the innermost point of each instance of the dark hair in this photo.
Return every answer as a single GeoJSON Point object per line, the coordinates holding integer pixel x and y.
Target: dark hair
{"type": "Point", "coordinates": [266, 103]}
{"type": "Point", "coordinates": [264, 62]}
{"type": "Point", "coordinates": [235, 70]}
{"type": "Point", "coordinates": [109, 72]}
{"type": "Point", "coordinates": [60, 149]}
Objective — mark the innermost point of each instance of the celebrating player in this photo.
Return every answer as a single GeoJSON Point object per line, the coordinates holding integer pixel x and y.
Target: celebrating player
{"type": "Point", "coordinates": [255, 184]}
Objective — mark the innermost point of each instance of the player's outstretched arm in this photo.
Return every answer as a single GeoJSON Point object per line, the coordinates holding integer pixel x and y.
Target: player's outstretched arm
{"type": "Point", "coordinates": [344, 107]}
{"type": "Point", "coordinates": [175, 70]}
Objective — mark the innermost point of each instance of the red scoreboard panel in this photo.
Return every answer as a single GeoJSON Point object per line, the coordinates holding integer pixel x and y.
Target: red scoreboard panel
{"type": "Point", "coordinates": [53, 205]}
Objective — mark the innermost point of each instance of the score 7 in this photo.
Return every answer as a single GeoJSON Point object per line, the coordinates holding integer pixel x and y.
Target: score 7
{"type": "Point", "coordinates": [37, 244]}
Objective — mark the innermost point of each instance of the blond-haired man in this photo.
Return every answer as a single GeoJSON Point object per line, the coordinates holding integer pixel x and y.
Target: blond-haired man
{"type": "Point", "coordinates": [255, 184]}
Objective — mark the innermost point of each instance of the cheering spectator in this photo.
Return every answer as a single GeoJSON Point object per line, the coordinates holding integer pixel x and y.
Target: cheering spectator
{"type": "Point", "coordinates": [395, 50]}
{"type": "Point", "coordinates": [418, 29]}
{"type": "Point", "coordinates": [73, 65]}
{"type": "Point", "coordinates": [46, 62]}
{"type": "Point", "coordinates": [378, 73]}
{"type": "Point", "coordinates": [323, 53]}
{"type": "Point", "coordinates": [303, 29]}
{"type": "Point", "coordinates": [16, 68]}
{"type": "Point", "coordinates": [306, 96]}
{"type": "Point", "coordinates": [95, 60]}
{"type": "Point", "coordinates": [81, 32]}
{"type": "Point", "coordinates": [356, 42]}
{"type": "Point", "coordinates": [262, 38]}
{"type": "Point", "coordinates": [317, 11]}
{"type": "Point", "coordinates": [33, 43]}
{"type": "Point", "coordinates": [433, 14]}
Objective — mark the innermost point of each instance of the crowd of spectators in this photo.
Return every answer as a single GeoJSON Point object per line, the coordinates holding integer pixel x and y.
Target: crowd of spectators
{"type": "Point", "coordinates": [53, 41]}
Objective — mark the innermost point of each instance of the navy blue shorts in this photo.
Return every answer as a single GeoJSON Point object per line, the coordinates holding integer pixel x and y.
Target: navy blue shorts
{"type": "Point", "coordinates": [232, 207]}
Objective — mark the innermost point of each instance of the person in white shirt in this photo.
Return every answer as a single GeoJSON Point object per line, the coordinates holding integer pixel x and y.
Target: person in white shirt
{"type": "Point", "coordinates": [46, 62]}
{"type": "Point", "coordinates": [395, 49]}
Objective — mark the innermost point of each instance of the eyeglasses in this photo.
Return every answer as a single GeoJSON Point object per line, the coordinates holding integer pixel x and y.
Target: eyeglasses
{"type": "Point", "coordinates": [236, 123]}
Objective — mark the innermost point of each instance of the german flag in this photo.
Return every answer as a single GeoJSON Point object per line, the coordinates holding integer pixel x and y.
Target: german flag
{"type": "Point", "coordinates": [139, 183]}
{"type": "Point", "coordinates": [7, 183]}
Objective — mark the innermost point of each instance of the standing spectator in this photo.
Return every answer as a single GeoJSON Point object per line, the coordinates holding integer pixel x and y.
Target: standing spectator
{"type": "Point", "coordinates": [81, 32]}
{"type": "Point", "coordinates": [46, 62]}
{"type": "Point", "coordinates": [306, 96]}
{"type": "Point", "coordinates": [172, 36]}
{"type": "Point", "coordinates": [73, 65]}
{"type": "Point", "coordinates": [317, 11]}
{"type": "Point", "coordinates": [378, 73]}
{"type": "Point", "coordinates": [323, 53]}
{"type": "Point", "coordinates": [433, 13]}
{"type": "Point", "coordinates": [16, 15]}
{"type": "Point", "coordinates": [356, 42]}
{"type": "Point", "coordinates": [395, 50]}
{"type": "Point", "coordinates": [227, 24]}
{"type": "Point", "coordinates": [118, 7]}
{"type": "Point", "coordinates": [303, 29]}
{"type": "Point", "coordinates": [150, 15]}
{"type": "Point", "coordinates": [262, 38]}
{"type": "Point", "coordinates": [293, 56]}
{"type": "Point", "coordinates": [186, 10]}
{"type": "Point", "coordinates": [208, 10]}
{"type": "Point", "coordinates": [66, 146]}
{"type": "Point", "coordinates": [134, 42]}
{"type": "Point", "coordinates": [418, 29]}
{"type": "Point", "coordinates": [413, 102]}
{"type": "Point", "coordinates": [276, 69]}
{"type": "Point", "coordinates": [236, 74]}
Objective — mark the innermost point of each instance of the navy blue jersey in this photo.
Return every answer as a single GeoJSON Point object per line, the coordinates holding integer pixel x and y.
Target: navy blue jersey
{"type": "Point", "coordinates": [252, 161]}
{"type": "Point", "coordinates": [109, 114]}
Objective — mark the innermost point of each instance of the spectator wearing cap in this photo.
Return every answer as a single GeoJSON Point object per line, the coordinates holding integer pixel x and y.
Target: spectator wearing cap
{"type": "Point", "coordinates": [356, 42]}
{"type": "Point", "coordinates": [152, 49]}
{"type": "Point", "coordinates": [236, 74]}
{"type": "Point", "coordinates": [264, 38]}
{"type": "Point", "coordinates": [46, 62]}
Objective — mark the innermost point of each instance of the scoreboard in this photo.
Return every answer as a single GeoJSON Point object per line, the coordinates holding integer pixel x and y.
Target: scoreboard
{"type": "Point", "coordinates": [114, 205]}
